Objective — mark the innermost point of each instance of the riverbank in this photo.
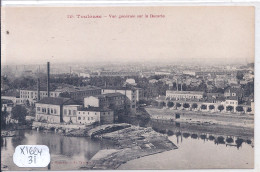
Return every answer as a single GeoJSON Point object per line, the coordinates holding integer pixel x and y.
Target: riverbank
{"type": "Point", "coordinates": [132, 142]}
{"type": "Point", "coordinates": [203, 118]}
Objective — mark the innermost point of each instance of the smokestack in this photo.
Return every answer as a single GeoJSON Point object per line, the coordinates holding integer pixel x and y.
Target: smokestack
{"type": "Point", "coordinates": [177, 84]}
{"type": "Point", "coordinates": [38, 89]}
{"type": "Point", "coordinates": [48, 79]}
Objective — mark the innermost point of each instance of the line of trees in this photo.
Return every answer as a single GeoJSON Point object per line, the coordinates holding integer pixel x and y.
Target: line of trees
{"type": "Point", "coordinates": [171, 104]}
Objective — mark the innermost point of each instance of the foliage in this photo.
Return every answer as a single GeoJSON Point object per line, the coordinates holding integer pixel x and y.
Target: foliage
{"type": "Point", "coordinates": [194, 105]}
{"type": "Point", "coordinates": [163, 103]}
{"type": "Point", "coordinates": [186, 105]}
{"type": "Point", "coordinates": [178, 104]}
{"type": "Point", "coordinates": [220, 108]}
{"type": "Point", "coordinates": [203, 106]}
{"type": "Point", "coordinates": [239, 109]}
{"type": "Point", "coordinates": [155, 103]}
{"type": "Point", "coordinates": [230, 108]}
{"type": "Point", "coordinates": [211, 107]}
{"type": "Point", "coordinates": [170, 104]}
{"type": "Point", "coordinates": [248, 89]}
{"type": "Point", "coordinates": [4, 114]}
{"type": "Point", "coordinates": [19, 113]}
{"type": "Point", "coordinates": [64, 94]}
{"type": "Point", "coordinates": [240, 75]}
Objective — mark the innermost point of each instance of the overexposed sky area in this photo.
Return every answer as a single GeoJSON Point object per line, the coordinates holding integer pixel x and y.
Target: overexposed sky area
{"type": "Point", "coordinates": [33, 35]}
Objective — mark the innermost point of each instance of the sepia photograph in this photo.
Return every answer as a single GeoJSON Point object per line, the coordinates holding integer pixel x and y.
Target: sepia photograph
{"type": "Point", "coordinates": [127, 88]}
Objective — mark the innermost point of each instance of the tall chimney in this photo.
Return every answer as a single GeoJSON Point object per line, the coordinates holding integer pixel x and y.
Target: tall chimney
{"type": "Point", "coordinates": [48, 79]}
{"type": "Point", "coordinates": [38, 89]}
{"type": "Point", "coordinates": [177, 85]}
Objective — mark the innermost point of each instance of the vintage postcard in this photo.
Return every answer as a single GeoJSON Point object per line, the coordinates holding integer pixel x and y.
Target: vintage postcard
{"type": "Point", "coordinates": [127, 88]}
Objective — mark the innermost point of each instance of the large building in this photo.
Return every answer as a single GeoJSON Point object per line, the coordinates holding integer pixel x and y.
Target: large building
{"type": "Point", "coordinates": [95, 114]}
{"type": "Point", "coordinates": [50, 109]}
{"type": "Point", "coordinates": [79, 93]}
{"type": "Point", "coordinates": [109, 100]}
{"type": "Point", "coordinates": [31, 95]}
{"type": "Point", "coordinates": [180, 95]}
{"type": "Point", "coordinates": [131, 95]}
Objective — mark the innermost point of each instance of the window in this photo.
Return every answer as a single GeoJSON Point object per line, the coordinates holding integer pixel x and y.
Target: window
{"type": "Point", "coordinates": [38, 109]}
{"type": "Point", "coordinates": [79, 118]}
{"type": "Point", "coordinates": [74, 112]}
{"type": "Point", "coordinates": [91, 118]}
{"type": "Point", "coordinates": [55, 111]}
{"type": "Point", "coordinates": [83, 118]}
{"type": "Point", "coordinates": [51, 110]}
{"type": "Point", "coordinates": [65, 111]}
{"type": "Point", "coordinates": [69, 112]}
{"type": "Point", "coordinates": [88, 118]}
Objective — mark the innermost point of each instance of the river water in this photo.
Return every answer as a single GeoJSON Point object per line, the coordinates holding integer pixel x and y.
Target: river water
{"type": "Point", "coordinates": [195, 150]}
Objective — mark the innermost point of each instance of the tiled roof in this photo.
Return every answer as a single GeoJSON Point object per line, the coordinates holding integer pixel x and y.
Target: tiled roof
{"type": "Point", "coordinates": [109, 95]}
{"type": "Point", "coordinates": [185, 92]}
{"type": "Point", "coordinates": [57, 101]}
{"type": "Point", "coordinates": [77, 89]}
{"type": "Point", "coordinates": [95, 109]}
{"type": "Point", "coordinates": [5, 101]}
{"type": "Point", "coordinates": [232, 98]}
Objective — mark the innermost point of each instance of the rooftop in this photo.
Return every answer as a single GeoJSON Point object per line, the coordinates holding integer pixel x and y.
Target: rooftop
{"type": "Point", "coordinates": [185, 92]}
{"type": "Point", "coordinates": [120, 88]}
{"type": "Point", "coordinates": [95, 109]}
{"type": "Point", "coordinates": [57, 101]}
{"type": "Point", "coordinates": [232, 98]}
{"type": "Point", "coordinates": [109, 95]}
{"type": "Point", "coordinates": [76, 89]}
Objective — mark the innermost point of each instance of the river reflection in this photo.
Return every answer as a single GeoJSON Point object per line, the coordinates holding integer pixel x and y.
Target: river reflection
{"type": "Point", "coordinates": [228, 140]}
{"type": "Point", "coordinates": [198, 147]}
{"type": "Point", "coordinates": [67, 153]}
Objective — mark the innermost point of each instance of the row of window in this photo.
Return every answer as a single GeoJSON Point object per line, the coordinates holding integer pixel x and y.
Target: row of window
{"type": "Point", "coordinates": [36, 93]}
{"type": "Point", "coordinates": [84, 118]}
{"type": "Point", "coordinates": [69, 112]}
{"type": "Point", "coordinates": [85, 93]}
{"type": "Point", "coordinates": [46, 110]}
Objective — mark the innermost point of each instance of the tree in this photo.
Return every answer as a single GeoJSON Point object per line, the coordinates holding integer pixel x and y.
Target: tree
{"type": "Point", "coordinates": [249, 109]}
{"type": "Point", "coordinates": [239, 109]}
{"type": "Point", "coordinates": [19, 113]}
{"type": "Point", "coordinates": [178, 104]}
{"type": "Point", "coordinates": [170, 104]}
{"type": "Point", "coordinates": [203, 106]}
{"type": "Point", "coordinates": [211, 107]}
{"type": "Point", "coordinates": [194, 105]}
{"type": "Point", "coordinates": [230, 108]}
{"type": "Point", "coordinates": [220, 108]}
{"type": "Point", "coordinates": [64, 95]}
{"type": "Point", "coordinates": [186, 105]}
{"type": "Point", "coordinates": [163, 104]}
{"type": "Point", "coordinates": [240, 75]}
{"type": "Point", "coordinates": [155, 103]}
{"type": "Point", "coordinates": [27, 103]}
{"type": "Point", "coordinates": [4, 114]}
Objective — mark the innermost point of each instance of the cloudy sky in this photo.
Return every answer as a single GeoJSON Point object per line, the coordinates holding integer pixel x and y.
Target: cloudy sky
{"type": "Point", "coordinates": [36, 35]}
